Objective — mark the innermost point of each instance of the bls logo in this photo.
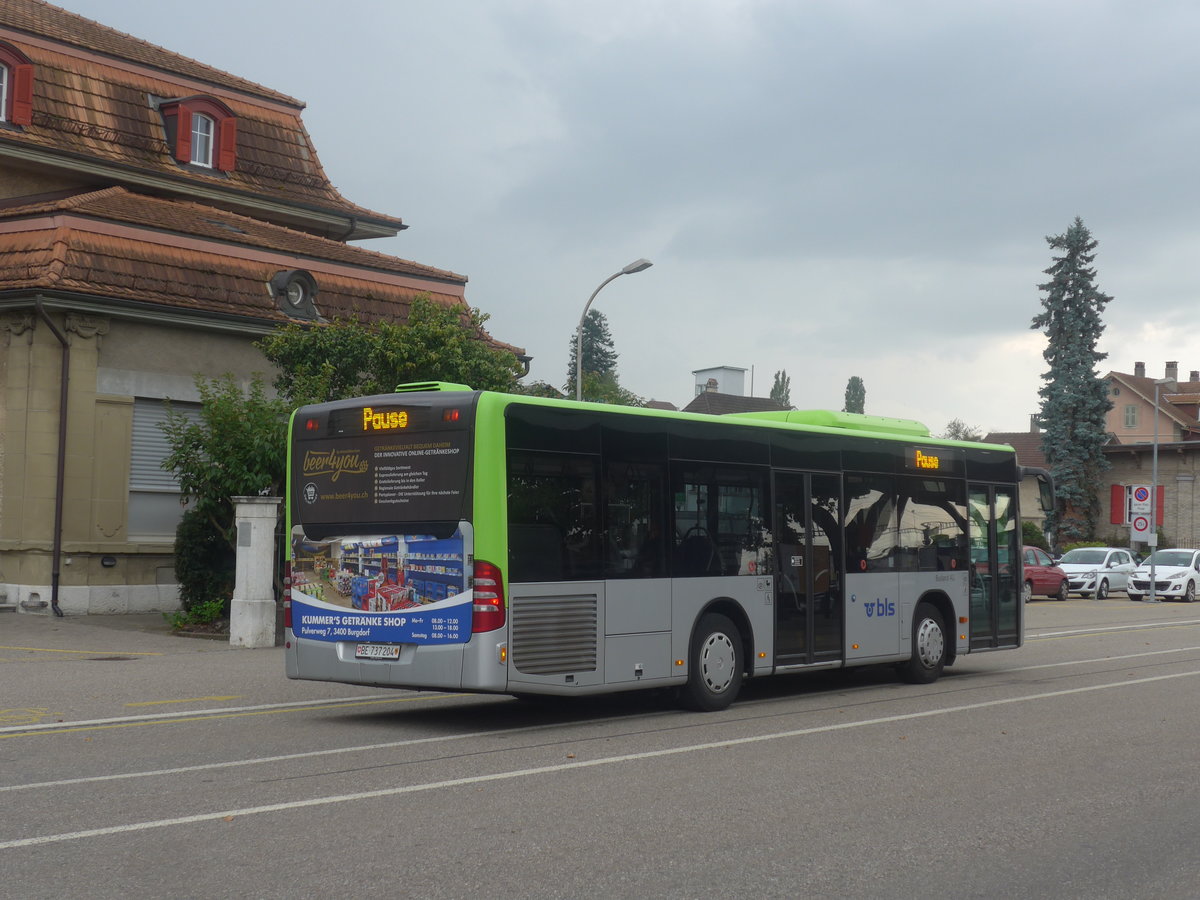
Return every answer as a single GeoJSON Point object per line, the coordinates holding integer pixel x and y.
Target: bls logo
{"type": "Point", "coordinates": [880, 608]}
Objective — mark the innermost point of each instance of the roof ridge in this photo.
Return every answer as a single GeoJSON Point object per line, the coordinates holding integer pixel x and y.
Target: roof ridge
{"type": "Point", "coordinates": [199, 70]}
{"type": "Point", "coordinates": [60, 203]}
{"type": "Point", "coordinates": [208, 208]}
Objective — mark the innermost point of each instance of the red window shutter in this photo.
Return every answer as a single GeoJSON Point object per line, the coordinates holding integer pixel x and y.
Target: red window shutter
{"type": "Point", "coordinates": [22, 100]}
{"type": "Point", "coordinates": [227, 151]}
{"type": "Point", "coordinates": [183, 135]}
{"type": "Point", "coordinates": [1116, 513]}
{"type": "Point", "coordinates": [1159, 494]}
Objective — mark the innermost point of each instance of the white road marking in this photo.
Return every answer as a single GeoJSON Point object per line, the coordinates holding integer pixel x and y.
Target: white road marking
{"type": "Point", "coordinates": [562, 767]}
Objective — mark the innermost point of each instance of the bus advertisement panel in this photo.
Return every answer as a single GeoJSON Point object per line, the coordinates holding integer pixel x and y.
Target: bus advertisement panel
{"type": "Point", "coordinates": [393, 589]}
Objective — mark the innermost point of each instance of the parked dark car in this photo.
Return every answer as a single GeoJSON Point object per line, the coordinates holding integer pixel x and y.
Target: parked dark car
{"type": "Point", "coordinates": [1042, 577]}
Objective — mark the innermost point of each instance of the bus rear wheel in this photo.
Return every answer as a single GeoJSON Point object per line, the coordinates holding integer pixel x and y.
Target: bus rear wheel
{"type": "Point", "coordinates": [928, 647]}
{"type": "Point", "coordinates": [715, 665]}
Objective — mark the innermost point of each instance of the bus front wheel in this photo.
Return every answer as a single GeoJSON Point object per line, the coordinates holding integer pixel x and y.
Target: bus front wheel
{"type": "Point", "coordinates": [715, 674]}
{"type": "Point", "coordinates": [928, 647]}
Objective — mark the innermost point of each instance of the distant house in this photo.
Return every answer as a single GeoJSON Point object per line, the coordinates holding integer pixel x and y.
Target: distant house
{"type": "Point", "coordinates": [1130, 451]}
{"type": "Point", "coordinates": [1134, 424]}
{"type": "Point", "coordinates": [722, 379]}
{"type": "Point", "coordinates": [157, 216]}
{"type": "Point", "coordinates": [718, 404]}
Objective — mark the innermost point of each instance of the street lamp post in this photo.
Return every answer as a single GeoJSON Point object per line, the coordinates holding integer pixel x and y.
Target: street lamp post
{"type": "Point", "coordinates": [638, 265]}
{"type": "Point", "coordinates": [1150, 596]}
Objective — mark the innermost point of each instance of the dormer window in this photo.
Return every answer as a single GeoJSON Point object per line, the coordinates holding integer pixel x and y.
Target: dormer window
{"type": "Point", "coordinates": [201, 131]}
{"type": "Point", "coordinates": [16, 86]}
{"type": "Point", "coordinates": [202, 140]}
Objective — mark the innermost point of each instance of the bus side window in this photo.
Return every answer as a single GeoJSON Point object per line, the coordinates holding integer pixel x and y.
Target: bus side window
{"type": "Point", "coordinates": [872, 538]}
{"type": "Point", "coordinates": [721, 525]}
{"type": "Point", "coordinates": [633, 532]}
{"type": "Point", "coordinates": [553, 532]}
{"type": "Point", "coordinates": [933, 522]}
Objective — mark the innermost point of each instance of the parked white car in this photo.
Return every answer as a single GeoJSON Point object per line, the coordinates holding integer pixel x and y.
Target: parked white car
{"type": "Point", "coordinates": [1176, 575]}
{"type": "Point", "coordinates": [1097, 570]}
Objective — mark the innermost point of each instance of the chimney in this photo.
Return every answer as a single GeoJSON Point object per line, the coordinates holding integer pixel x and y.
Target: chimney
{"type": "Point", "coordinates": [1173, 370]}
{"type": "Point", "coordinates": [1194, 375]}
{"type": "Point", "coordinates": [1139, 370]}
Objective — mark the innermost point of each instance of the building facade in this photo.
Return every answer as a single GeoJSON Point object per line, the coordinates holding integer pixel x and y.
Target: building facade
{"type": "Point", "coordinates": [157, 217]}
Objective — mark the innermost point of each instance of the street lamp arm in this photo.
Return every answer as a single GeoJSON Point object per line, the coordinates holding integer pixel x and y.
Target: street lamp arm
{"type": "Point", "coordinates": [638, 265]}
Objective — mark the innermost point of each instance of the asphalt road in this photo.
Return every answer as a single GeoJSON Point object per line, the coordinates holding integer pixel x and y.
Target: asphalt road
{"type": "Point", "coordinates": [136, 763]}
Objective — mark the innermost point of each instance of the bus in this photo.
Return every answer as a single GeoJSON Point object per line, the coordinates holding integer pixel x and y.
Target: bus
{"type": "Point", "coordinates": [442, 538]}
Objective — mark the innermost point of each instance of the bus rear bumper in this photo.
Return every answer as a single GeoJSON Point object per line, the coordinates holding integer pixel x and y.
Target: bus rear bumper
{"type": "Point", "coordinates": [474, 666]}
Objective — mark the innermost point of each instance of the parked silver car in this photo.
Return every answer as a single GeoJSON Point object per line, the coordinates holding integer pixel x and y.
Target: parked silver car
{"type": "Point", "coordinates": [1176, 574]}
{"type": "Point", "coordinates": [1097, 570]}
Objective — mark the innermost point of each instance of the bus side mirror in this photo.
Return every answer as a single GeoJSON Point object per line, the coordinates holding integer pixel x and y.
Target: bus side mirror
{"type": "Point", "coordinates": [1045, 485]}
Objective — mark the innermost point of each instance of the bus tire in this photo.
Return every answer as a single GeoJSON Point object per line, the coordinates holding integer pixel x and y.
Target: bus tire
{"type": "Point", "coordinates": [928, 647]}
{"type": "Point", "coordinates": [715, 665]}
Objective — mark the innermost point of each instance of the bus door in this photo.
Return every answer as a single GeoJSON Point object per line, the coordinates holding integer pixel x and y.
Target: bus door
{"type": "Point", "coordinates": [995, 567]}
{"type": "Point", "coordinates": [808, 574]}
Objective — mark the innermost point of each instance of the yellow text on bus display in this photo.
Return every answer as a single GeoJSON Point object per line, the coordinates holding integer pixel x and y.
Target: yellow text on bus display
{"type": "Point", "coordinates": [384, 420]}
{"type": "Point", "coordinates": [927, 461]}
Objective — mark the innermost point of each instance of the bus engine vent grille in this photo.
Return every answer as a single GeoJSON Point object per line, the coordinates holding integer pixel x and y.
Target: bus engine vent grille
{"type": "Point", "coordinates": [554, 635]}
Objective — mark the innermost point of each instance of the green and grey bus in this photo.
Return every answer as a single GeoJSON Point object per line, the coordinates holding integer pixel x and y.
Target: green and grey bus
{"type": "Point", "coordinates": [449, 539]}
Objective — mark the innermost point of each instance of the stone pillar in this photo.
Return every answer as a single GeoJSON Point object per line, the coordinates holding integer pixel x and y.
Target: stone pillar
{"type": "Point", "coordinates": [252, 611]}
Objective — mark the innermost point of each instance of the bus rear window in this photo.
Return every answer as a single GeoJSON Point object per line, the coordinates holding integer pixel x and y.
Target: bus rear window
{"type": "Point", "coordinates": [382, 478]}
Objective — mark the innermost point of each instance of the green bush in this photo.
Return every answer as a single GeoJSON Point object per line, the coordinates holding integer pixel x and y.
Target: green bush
{"type": "Point", "coordinates": [204, 566]}
{"type": "Point", "coordinates": [1033, 536]}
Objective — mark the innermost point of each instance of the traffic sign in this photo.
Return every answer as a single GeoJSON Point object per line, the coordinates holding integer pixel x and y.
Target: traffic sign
{"type": "Point", "coordinates": [1140, 528]}
{"type": "Point", "coordinates": [1139, 500]}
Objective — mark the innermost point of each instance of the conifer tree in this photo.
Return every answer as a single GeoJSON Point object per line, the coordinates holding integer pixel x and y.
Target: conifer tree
{"type": "Point", "coordinates": [1074, 398]}
{"type": "Point", "coordinates": [781, 389]}
{"type": "Point", "coordinates": [856, 395]}
{"type": "Point", "coordinates": [599, 356]}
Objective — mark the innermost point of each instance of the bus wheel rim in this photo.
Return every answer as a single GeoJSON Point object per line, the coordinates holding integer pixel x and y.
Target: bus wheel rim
{"type": "Point", "coordinates": [717, 658]}
{"type": "Point", "coordinates": [930, 643]}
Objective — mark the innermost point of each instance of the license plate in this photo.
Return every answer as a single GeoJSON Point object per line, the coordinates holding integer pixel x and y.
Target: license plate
{"type": "Point", "coordinates": [377, 651]}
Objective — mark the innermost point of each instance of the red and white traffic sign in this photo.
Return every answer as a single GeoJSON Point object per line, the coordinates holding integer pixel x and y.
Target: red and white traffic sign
{"type": "Point", "coordinates": [1140, 529]}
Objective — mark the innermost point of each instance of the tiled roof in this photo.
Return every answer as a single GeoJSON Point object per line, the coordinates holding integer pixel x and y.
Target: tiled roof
{"type": "Point", "coordinates": [1028, 445]}
{"type": "Point", "coordinates": [1182, 393]}
{"type": "Point", "coordinates": [718, 404]}
{"type": "Point", "coordinates": [48, 21]}
{"type": "Point", "coordinates": [121, 249]}
{"type": "Point", "coordinates": [86, 109]}
{"type": "Point", "coordinates": [185, 217]}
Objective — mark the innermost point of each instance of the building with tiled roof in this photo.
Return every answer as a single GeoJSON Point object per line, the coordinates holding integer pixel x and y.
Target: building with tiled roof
{"type": "Point", "coordinates": [157, 217]}
{"type": "Point", "coordinates": [1170, 465]}
{"type": "Point", "coordinates": [1155, 428]}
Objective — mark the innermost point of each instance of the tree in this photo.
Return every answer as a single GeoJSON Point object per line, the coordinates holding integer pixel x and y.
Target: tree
{"type": "Point", "coordinates": [856, 395]}
{"type": "Point", "coordinates": [781, 389]}
{"type": "Point", "coordinates": [958, 430]}
{"type": "Point", "coordinates": [238, 448]}
{"type": "Point", "coordinates": [351, 358]}
{"type": "Point", "coordinates": [606, 389]}
{"type": "Point", "coordinates": [600, 383]}
{"type": "Point", "coordinates": [539, 389]}
{"type": "Point", "coordinates": [1074, 398]}
{"type": "Point", "coordinates": [599, 356]}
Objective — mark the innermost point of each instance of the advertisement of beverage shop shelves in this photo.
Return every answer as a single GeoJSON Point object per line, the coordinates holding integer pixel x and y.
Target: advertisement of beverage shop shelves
{"type": "Point", "coordinates": [394, 589]}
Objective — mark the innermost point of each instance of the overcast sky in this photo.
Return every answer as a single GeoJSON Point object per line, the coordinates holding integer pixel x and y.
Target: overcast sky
{"type": "Point", "coordinates": [832, 188]}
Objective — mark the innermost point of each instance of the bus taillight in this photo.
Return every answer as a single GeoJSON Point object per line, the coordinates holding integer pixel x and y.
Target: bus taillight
{"type": "Point", "coordinates": [488, 609]}
{"type": "Point", "coordinates": [287, 594]}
